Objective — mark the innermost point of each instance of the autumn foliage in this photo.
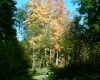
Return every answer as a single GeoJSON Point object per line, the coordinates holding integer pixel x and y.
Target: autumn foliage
{"type": "Point", "coordinates": [51, 18]}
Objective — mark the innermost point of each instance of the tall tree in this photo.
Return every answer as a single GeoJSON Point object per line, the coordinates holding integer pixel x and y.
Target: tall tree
{"type": "Point", "coordinates": [12, 58]}
{"type": "Point", "coordinates": [89, 10]}
{"type": "Point", "coordinates": [7, 12]}
{"type": "Point", "coordinates": [51, 19]}
{"type": "Point", "coordinates": [20, 22]}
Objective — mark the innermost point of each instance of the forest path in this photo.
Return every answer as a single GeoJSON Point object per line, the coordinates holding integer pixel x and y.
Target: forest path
{"type": "Point", "coordinates": [41, 74]}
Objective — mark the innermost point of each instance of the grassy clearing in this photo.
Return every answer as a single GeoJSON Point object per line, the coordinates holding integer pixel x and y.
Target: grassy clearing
{"type": "Point", "coordinates": [37, 74]}
{"type": "Point", "coordinates": [40, 74]}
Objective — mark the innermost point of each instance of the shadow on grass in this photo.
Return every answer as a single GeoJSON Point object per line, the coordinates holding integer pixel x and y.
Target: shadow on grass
{"type": "Point", "coordinates": [28, 76]}
{"type": "Point", "coordinates": [77, 72]}
{"type": "Point", "coordinates": [13, 63]}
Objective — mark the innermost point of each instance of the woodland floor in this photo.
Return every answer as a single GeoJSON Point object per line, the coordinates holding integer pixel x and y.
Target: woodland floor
{"type": "Point", "coordinates": [37, 74]}
{"type": "Point", "coordinates": [40, 74]}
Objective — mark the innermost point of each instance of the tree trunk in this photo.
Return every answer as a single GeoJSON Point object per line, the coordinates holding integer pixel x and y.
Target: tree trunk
{"type": "Point", "coordinates": [57, 58]}
{"type": "Point", "coordinates": [33, 61]}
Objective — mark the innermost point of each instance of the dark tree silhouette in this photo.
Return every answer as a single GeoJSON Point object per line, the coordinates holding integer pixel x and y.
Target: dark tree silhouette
{"type": "Point", "coordinates": [12, 57]}
{"type": "Point", "coordinates": [7, 12]}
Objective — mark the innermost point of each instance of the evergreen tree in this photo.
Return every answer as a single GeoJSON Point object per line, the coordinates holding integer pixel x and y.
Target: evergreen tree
{"type": "Point", "coordinates": [7, 12]}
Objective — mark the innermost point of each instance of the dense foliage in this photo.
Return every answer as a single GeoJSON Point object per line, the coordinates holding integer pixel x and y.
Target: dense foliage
{"type": "Point", "coordinates": [13, 62]}
{"type": "Point", "coordinates": [46, 24]}
{"type": "Point", "coordinates": [84, 39]}
{"type": "Point", "coordinates": [7, 12]}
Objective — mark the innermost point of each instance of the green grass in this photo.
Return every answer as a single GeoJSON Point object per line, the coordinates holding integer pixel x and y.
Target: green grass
{"type": "Point", "coordinates": [37, 74]}
{"type": "Point", "coordinates": [40, 74]}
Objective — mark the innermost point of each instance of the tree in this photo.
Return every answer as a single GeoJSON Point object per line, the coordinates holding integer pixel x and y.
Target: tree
{"type": "Point", "coordinates": [7, 12]}
{"type": "Point", "coordinates": [46, 23]}
{"type": "Point", "coordinates": [21, 15]}
{"type": "Point", "coordinates": [82, 43]}
{"type": "Point", "coordinates": [89, 11]}
{"type": "Point", "coordinates": [12, 58]}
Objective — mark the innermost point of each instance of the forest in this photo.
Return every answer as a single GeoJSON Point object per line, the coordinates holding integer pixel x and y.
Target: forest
{"type": "Point", "coordinates": [52, 46]}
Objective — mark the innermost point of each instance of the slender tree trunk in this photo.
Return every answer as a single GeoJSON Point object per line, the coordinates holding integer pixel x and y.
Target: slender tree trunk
{"type": "Point", "coordinates": [33, 61]}
{"type": "Point", "coordinates": [51, 57]}
{"type": "Point", "coordinates": [50, 54]}
{"type": "Point", "coordinates": [45, 52]}
{"type": "Point", "coordinates": [57, 58]}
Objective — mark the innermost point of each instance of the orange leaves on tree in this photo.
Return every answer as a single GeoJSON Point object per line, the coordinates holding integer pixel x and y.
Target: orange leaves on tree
{"type": "Point", "coordinates": [40, 12]}
{"type": "Point", "coordinates": [59, 7]}
{"type": "Point", "coordinates": [51, 15]}
{"type": "Point", "coordinates": [57, 47]}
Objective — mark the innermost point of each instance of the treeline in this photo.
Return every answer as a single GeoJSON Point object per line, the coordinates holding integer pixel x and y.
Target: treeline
{"type": "Point", "coordinates": [54, 39]}
{"type": "Point", "coordinates": [84, 41]}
